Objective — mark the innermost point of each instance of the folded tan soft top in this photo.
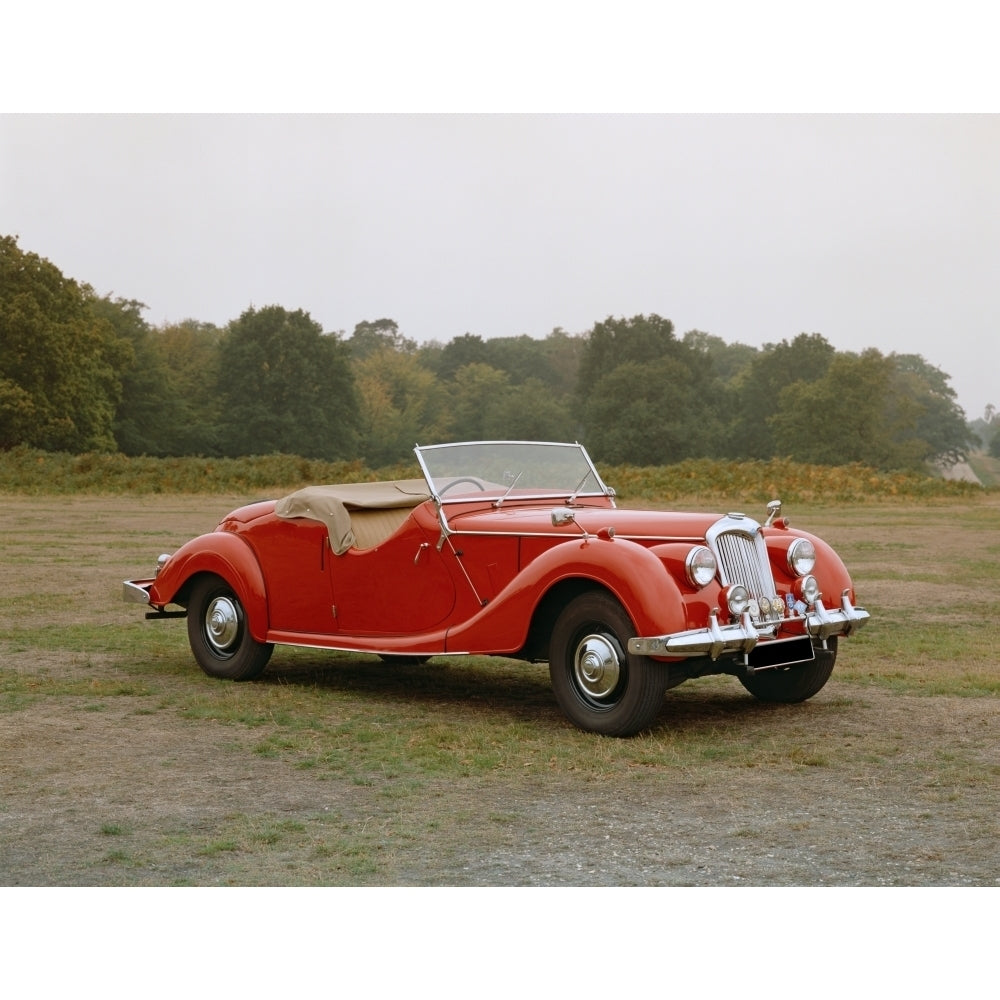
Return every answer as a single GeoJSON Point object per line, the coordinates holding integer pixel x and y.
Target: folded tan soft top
{"type": "Point", "coordinates": [332, 504]}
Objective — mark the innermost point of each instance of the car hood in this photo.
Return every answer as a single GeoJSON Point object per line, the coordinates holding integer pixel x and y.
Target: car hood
{"type": "Point", "coordinates": [538, 520]}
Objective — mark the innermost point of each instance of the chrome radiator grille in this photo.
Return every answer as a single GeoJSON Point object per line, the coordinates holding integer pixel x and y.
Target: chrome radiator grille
{"type": "Point", "coordinates": [743, 560]}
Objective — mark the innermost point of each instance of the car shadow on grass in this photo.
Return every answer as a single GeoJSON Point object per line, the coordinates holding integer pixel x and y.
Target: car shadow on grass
{"type": "Point", "coordinates": [516, 690]}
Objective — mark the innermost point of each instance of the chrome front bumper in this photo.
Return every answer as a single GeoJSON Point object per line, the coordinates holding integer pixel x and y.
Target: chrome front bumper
{"type": "Point", "coordinates": [719, 640]}
{"type": "Point", "coordinates": [136, 591]}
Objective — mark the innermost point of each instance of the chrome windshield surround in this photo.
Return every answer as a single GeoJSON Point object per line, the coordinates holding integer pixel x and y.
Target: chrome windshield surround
{"type": "Point", "coordinates": [496, 471]}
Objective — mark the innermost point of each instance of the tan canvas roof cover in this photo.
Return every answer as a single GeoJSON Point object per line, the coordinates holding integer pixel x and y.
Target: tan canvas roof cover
{"type": "Point", "coordinates": [332, 504]}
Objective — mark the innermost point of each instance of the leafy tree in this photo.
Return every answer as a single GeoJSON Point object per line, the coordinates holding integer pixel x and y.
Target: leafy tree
{"type": "Point", "coordinates": [61, 362]}
{"type": "Point", "coordinates": [476, 393]}
{"type": "Point", "coordinates": [615, 342]}
{"type": "Point", "coordinates": [646, 397]}
{"type": "Point", "coordinates": [841, 417]}
{"type": "Point", "coordinates": [378, 335]}
{"type": "Point", "coordinates": [563, 352]}
{"type": "Point", "coordinates": [757, 388]}
{"type": "Point", "coordinates": [148, 410]}
{"type": "Point", "coordinates": [937, 424]}
{"type": "Point", "coordinates": [401, 404]}
{"type": "Point", "coordinates": [468, 349]}
{"type": "Point", "coordinates": [190, 352]}
{"type": "Point", "coordinates": [529, 412]}
{"type": "Point", "coordinates": [652, 413]}
{"type": "Point", "coordinates": [284, 386]}
{"type": "Point", "coordinates": [727, 360]}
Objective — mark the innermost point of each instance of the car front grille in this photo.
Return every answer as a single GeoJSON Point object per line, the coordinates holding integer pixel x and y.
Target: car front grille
{"type": "Point", "coordinates": [743, 560]}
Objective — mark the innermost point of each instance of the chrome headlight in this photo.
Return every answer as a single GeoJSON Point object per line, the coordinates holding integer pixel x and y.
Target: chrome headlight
{"type": "Point", "coordinates": [807, 589]}
{"type": "Point", "coordinates": [738, 600]}
{"type": "Point", "coordinates": [801, 556]}
{"type": "Point", "coordinates": [161, 562]}
{"type": "Point", "coordinates": [700, 566]}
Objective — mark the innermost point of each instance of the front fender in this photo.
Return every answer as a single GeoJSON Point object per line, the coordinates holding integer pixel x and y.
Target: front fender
{"type": "Point", "coordinates": [225, 555]}
{"type": "Point", "coordinates": [830, 571]}
{"type": "Point", "coordinates": [636, 577]}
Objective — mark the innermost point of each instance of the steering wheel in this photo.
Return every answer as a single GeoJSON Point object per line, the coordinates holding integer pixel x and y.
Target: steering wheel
{"type": "Point", "coordinates": [463, 479]}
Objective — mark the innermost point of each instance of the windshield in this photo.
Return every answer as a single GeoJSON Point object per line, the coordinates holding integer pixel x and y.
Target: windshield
{"type": "Point", "coordinates": [509, 468]}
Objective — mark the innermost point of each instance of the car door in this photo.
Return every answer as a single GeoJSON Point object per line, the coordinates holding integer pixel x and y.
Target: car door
{"type": "Point", "coordinates": [401, 586]}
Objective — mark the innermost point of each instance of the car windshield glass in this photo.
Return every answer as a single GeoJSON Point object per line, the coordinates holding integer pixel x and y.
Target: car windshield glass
{"type": "Point", "coordinates": [509, 468]}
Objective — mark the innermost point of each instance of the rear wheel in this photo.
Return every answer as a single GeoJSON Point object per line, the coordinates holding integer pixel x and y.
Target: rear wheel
{"type": "Point", "coordinates": [789, 685]}
{"type": "Point", "coordinates": [218, 633]}
{"type": "Point", "coordinates": [599, 685]}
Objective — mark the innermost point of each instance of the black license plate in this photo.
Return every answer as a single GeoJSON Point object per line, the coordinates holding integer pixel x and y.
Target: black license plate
{"type": "Point", "coordinates": [781, 653]}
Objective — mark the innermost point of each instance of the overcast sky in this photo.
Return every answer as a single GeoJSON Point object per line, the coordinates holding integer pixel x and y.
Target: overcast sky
{"type": "Point", "coordinates": [873, 230]}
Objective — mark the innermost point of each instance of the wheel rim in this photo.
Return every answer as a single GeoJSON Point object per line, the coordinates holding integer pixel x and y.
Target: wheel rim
{"type": "Point", "coordinates": [222, 625]}
{"type": "Point", "coordinates": [597, 667]}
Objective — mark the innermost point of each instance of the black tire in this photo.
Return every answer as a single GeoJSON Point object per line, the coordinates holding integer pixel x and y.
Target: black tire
{"type": "Point", "coordinates": [218, 633]}
{"type": "Point", "coordinates": [599, 685]}
{"type": "Point", "coordinates": [790, 685]}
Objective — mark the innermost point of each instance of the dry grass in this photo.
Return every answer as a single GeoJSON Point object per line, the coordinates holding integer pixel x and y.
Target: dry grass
{"type": "Point", "coordinates": [123, 765]}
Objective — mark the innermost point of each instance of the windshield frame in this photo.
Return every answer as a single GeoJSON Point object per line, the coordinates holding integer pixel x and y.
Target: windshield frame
{"type": "Point", "coordinates": [498, 493]}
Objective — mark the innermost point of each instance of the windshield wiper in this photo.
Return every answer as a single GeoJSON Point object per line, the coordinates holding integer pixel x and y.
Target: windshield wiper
{"type": "Point", "coordinates": [579, 486]}
{"type": "Point", "coordinates": [509, 488]}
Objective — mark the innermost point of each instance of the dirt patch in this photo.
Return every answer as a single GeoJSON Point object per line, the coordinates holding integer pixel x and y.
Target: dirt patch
{"type": "Point", "coordinates": [860, 786]}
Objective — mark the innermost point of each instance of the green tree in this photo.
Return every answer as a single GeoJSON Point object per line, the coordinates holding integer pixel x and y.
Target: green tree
{"type": "Point", "coordinates": [841, 417]}
{"type": "Point", "coordinates": [615, 342]}
{"type": "Point", "coordinates": [563, 352]}
{"type": "Point", "coordinates": [652, 413]}
{"type": "Point", "coordinates": [644, 396]}
{"type": "Point", "coordinates": [475, 394]}
{"type": "Point", "coordinates": [756, 390]}
{"type": "Point", "coordinates": [400, 403]}
{"type": "Point", "coordinates": [529, 412]}
{"type": "Point", "coordinates": [936, 426]}
{"type": "Point", "coordinates": [61, 362]}
{"type": "Point", "coordinates": [727, 360]}
{"type": "Point", "coordinates": [468, 349]}
{"type": "Point", "coordinates": [148, 410]}
{"type": "Point", "coordinates": [284, 386]}
{"type": "Point", "coordinates": [191, 354]}
{"type": "Point", "coordinates": [378, 335]}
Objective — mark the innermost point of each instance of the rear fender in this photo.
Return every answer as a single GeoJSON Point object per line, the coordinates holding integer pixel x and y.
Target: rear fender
{"type": "Point", "coordinates": [223, 554]}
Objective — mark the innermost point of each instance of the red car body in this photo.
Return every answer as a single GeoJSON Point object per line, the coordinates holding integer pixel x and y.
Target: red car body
{"type": "Point", "coordinates": [503, 549]}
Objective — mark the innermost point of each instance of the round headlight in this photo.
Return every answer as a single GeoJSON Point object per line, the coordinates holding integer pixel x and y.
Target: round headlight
{"type": "Point", "coordinates": [738, 600]}
{"type": "Point", "coordinates": [801, 556]}
{"type": "Point", "coordinates": [700, 566]}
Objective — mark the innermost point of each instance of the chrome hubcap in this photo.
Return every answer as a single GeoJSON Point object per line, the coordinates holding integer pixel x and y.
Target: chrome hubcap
{"type": "Point", "coordinates": [597, 666]}
{"type": "Point", "coordinates": [222, 624]}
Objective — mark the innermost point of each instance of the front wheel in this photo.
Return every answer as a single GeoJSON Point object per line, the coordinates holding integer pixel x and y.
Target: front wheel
{"type": "Point", "coordinates": [218, 633]}
{"type": "Point", "coordinates": [599, 686]}
{"type": "Point", "coordinates": [788, 685]}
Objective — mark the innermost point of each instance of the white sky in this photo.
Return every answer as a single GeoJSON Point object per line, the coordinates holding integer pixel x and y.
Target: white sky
{"type": "Point", "coordinates": [875, 230]}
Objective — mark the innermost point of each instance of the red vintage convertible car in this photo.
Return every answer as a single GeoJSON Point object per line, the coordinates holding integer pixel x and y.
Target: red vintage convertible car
{"type": "Point", "coordinates": [516, 549]}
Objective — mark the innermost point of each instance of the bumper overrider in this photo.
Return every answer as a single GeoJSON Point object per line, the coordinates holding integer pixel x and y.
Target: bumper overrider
{"type": "Point", "coordinates": [742, 637]}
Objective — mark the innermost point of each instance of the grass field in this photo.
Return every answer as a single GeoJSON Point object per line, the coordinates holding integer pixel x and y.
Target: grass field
{"type": "Point", "coordinates": [122, 764]}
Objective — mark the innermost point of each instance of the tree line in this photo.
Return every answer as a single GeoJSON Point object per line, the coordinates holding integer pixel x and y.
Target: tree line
{"type": "Point", "coordinates": [80, 372]}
